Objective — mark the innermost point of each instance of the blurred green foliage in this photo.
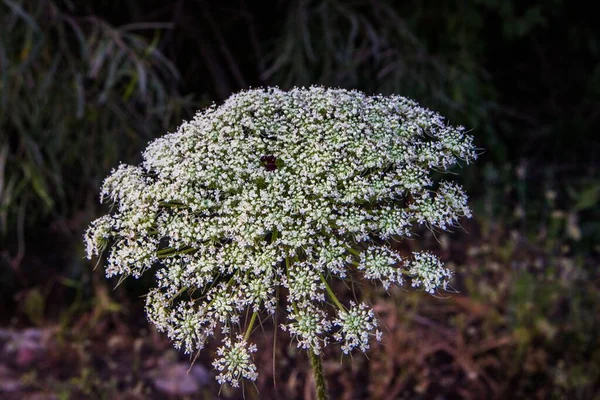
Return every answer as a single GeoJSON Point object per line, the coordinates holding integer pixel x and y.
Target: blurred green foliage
{"type": "Point", "coordinates": [379, 48]}
{"type": "Point", "coordinates": [77, 96]}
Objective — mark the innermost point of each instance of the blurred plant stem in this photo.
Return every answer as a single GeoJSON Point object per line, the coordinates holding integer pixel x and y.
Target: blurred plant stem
{"type": "Point", "coordinates": [317, 369]}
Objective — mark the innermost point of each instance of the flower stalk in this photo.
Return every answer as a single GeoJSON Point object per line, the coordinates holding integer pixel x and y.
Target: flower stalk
{"type": "Point", "coordinates": [318, 376]}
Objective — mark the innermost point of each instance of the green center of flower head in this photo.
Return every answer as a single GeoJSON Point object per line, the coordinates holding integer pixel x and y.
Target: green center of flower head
{"type": "Point", "coordinates": [277, 189]}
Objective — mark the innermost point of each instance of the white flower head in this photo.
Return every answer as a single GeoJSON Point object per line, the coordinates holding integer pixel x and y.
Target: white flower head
{"type": "Point", "coordinates": [277, 191]}
{"type": "Point", "coordinates": [427, 271]}
{"type": "Point", "coordinates": [308, 325]}
{"type": "Point", "coordinates": [189, 327]}
{"type": "Point", "coordinates": [381, 263]}
{"type": "Point", "coordinates": [97, 236]}
{"type": "Point", "coordinates": [304, 283]}
{"type": "Point", "coordinates": [235, 362]}
{"type": "Point", "coordinates": [357, 325]}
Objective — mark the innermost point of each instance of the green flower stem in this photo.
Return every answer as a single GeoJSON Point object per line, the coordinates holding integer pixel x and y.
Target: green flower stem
{"type": "Point", "coordinates": [354, 251]}
{"type": "Point", "coordinates": [332, 295]}
{"type": "Point", "coordinates": [317, 368]}
{"type": "Point", "coordinates": [250, 325]}
{"type": "Point", "coordinates": [172, 204]}
{"type": "Point", "coordinates": [168, 252]}
{"type": "Point", "coordinates": [179, 293]}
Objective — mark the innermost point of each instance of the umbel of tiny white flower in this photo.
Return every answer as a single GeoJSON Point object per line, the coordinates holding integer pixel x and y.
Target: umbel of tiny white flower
{"type": "Point", "coordinates": [234, 361]}
{"type": "Point", "coordinates": [281, 190]}
{"type": "Point", "coordinates": [356, 324]}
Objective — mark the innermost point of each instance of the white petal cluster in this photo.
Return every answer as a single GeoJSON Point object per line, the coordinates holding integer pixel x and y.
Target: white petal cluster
{"type": "Point", "coordinates": [234, 362]}
{"type": "Point", "coordinates": [281, 190]}
{"type": "Point", "coordinates": [304, 283]}
{"type": "Point", "coordinates": [445, 208]}
{"type": "Point", "coordinates": [357, 325]}
{"type": "Point", "coordinates": [189, 326]}
{"type": "Point", "coordinates": [427, 271]}
{"type": "Point", "coordinates": [309, 325]}
{"type": "Point", "coordinates": [381, 263]}
{"type": "Point", "coordinates": [98, 236]}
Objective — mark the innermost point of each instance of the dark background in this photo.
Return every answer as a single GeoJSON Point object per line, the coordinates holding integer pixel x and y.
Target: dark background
{"type": "Point", "coordinates": [85, 85]}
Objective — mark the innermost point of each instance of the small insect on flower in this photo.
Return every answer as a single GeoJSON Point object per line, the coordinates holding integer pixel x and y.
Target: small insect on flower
{"type": "Point", "coordinates": [281, 192]}
{"type": "Point", "coordinates": [269, 162]}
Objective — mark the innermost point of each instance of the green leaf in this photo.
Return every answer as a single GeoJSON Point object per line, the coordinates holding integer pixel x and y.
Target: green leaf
{"type": "Point", "coordinates": [588, 197]}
